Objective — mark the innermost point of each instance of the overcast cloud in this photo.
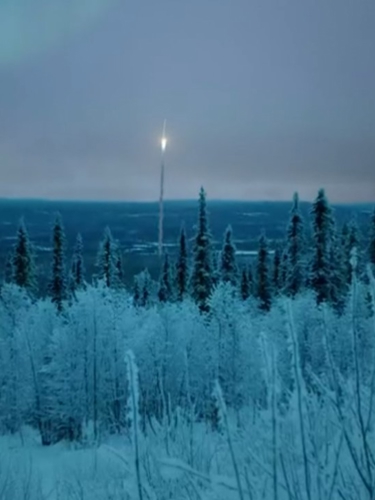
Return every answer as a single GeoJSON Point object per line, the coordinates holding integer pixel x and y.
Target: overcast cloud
{"type": "Point", "coordinates": [261, 98]}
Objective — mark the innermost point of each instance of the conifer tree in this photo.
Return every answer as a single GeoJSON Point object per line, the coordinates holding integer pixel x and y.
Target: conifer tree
{"type": "Point", "coordinates": [371, 250]}
{"type": "Point", "coordinates": [228, 265]}
{"type": "Point", "coordinates": [8, 268]}
{"type": "Point", "coordinates": [322, 226]}
{"type": "Point", "coordinates": [201, 279]}
{"type": "Point", "coordinates": [22, 264]}
{"type": "Point", "coordinates": [245, 285]}
{"type": "Point", "coordinates": [119, 266]}
{"type": "Point", "coordinates": [77, 271]}
{"type": "Point", "coordinates": [142, 289]}
{"type": "Point", "coordinates": [351, 239]}
{"type": "Point", "coordinates": [250, 278]}
{"type": "Point", "coordinates": [107, 261]}
{"type": "Point", "coordinates": [58, 288]}
{"type": "Point", "coordinates": [283, 270]}
{"type": "Point", "coordinates": [263, 281]}
{"type": "Point", "coordinates": [338, 284]}
{"type": "Point", "coordinates": [145, 297]}
{"type": "Point", "coordinates": [276, 279]}
{"type": "Point", "coordinates": [344, 236]}
{"type": "Point", "coordinates": [182, 269]}
{"type": "Point", "coordinates": [165, 292]}
{"type": "Point", "coordinates": [215, 268]}
{"type": "Point", "coordinates": [136, 292]}
{"type": "Point", "coordinates": [295, 274]}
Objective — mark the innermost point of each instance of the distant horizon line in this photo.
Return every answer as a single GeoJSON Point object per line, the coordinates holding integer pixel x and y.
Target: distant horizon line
{"type": "Point", "coordinates": [172, 200]}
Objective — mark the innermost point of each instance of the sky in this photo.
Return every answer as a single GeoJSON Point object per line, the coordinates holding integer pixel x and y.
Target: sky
{"type": "Point", "coordinates": [262, 98]}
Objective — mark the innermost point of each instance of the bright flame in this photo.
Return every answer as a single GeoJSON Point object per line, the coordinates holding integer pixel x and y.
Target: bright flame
{"type": "Point", "coordinates": [163, 143]}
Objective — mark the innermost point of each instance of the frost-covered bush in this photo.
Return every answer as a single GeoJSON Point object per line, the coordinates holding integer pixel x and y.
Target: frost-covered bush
{"type": "Point", "coordinates": [297, 384]}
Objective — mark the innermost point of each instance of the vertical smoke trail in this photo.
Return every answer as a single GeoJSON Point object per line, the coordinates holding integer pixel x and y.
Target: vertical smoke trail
{"type": "Point", "coordinates": [161, 199]}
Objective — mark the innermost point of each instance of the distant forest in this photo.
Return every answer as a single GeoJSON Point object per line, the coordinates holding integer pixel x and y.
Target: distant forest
{"type": "Point", "coordinates": [134, 226]}
{"type": "Point", "coordinates": [298, 246]}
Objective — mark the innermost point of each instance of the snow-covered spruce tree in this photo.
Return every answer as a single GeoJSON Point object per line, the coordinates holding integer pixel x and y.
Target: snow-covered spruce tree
{"type": "Point", "coordinates": [77, 270]}
{"type": "Point", "coordinates": [344, 235]}
{"type": "Point", "coordinates": [119, 266]}
{"type": "Point", "coordinates": [165, 292]}
{"type": "Point", "coordinates": [371, 249]}
{"type": "Point", "coordinates": [228, 264]}
{"type": "Point", "coordinates": [263, 285]}
{"type": "Point", "coordinates": [322, 225]}
{"type": "Point", "coordinates": [23, 266]}
{"type": "Point", "coordinates": [245, 285]}
{"type": "Point", "coordinates": [58, 287]}
{"type": "Point", "coordinates": [250, 277]}
{"type": "Point", "coordinates": [215, 268]}
{"type": "Point", "coordinates": [107, 260]}
{"type": "Point", "coordinates": [283, 269]}
{"type": "Point", "coordinates": [182, 266]}
{"type": "Point", "coordinates": [295, 274]}
{"type": "Point", "coordinates": [201, 279]}
{"type": "Point", "coordinates": [8, 268]}
{"type": "Point", "coordinates": [136, 291]}
{"type": "Point", "coordinates": [143, 289]}
{"type": "Point", "coordinates": [350, 239]}
{"type": "Point", "coordinates": [339, 284]}
{"type": "Point", "coordinates": [276, 271]}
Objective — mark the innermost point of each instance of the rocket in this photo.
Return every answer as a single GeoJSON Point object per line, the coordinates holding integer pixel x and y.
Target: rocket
{"type": "Point", "coordinates": [164, 137]}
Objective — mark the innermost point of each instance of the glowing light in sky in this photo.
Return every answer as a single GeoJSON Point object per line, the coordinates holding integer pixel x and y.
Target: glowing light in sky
{"type": "Point", "coordinates": [164, 137]}
{"type": "Point", "coordinates": [28, 28]}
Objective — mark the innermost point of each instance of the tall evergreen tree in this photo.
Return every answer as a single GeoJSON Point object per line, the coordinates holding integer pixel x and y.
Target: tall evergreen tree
{"type": "Point", "coordinates": [182, 267]}
{"type": "Point", "coordinates": [338, 283]}
{"type": "Point", "coordinates": [8, 268]}
{"type": "Point", "coordinates": [165, 292]}
{"type": "Point", "coordinates": [263, 281]}
{"type": "Point", "coordinates": [228, 264]}
{"type": "Point", "coordinates": [283, 270]}
{"type": "Point", "coordinates": [351, 239]}
{"type": "Point", "coordinates": [276, 278]}
{"type": "Point", "coordinates": [344, 237]}
{"type": "Point", "coordinates": [77, 271]}
{"type": "Point", "coordinates": [295, 275]}
{"type": "Point", "coordinates": [107, 261]}
{"type": "Point", "coordinates": [136, 292]}
{"type": "Point", "coordinates": [22, 265]}
{"type": "Point", "coordinates": [119, 266]}
{"type": "Point", "coordinates": [142, 289]}
{"type": "Point", "coordinates": [201, 279]}
{"type": "Point", "coordinates": [371, 250]}
{"type": "Point", "coordinates": [250, 277]}
{"type": "Point", "coordinates": [58, 287]}
{"type": "Point", "coordinates": [322, 226]}
{"type": "Point", "coordinates": [145, 297]}
{"type": "Point", "coordinates": [245, 285]}
{"type": "Point", "coordinates": [215, 268]}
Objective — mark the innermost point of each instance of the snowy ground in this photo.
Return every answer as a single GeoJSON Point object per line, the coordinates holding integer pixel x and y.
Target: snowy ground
{"type": "Point", "coordinates": [65, 471]}
{"type": "Point", "coordinates": [29, 470]}
{"type": "Point", "coordinates": [288, 429]}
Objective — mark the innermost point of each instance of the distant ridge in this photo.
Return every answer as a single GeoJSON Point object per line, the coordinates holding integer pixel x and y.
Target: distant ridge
{"type": "Point", "coordinates": [177, 201]}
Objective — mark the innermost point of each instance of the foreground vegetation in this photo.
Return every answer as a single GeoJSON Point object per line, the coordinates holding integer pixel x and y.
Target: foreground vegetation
{"type": "Point", "coordinates": [206, 385]}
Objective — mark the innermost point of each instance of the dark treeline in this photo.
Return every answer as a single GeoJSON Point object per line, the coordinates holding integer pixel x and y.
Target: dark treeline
{"type": "Point", "coordinates": [314, 255]}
